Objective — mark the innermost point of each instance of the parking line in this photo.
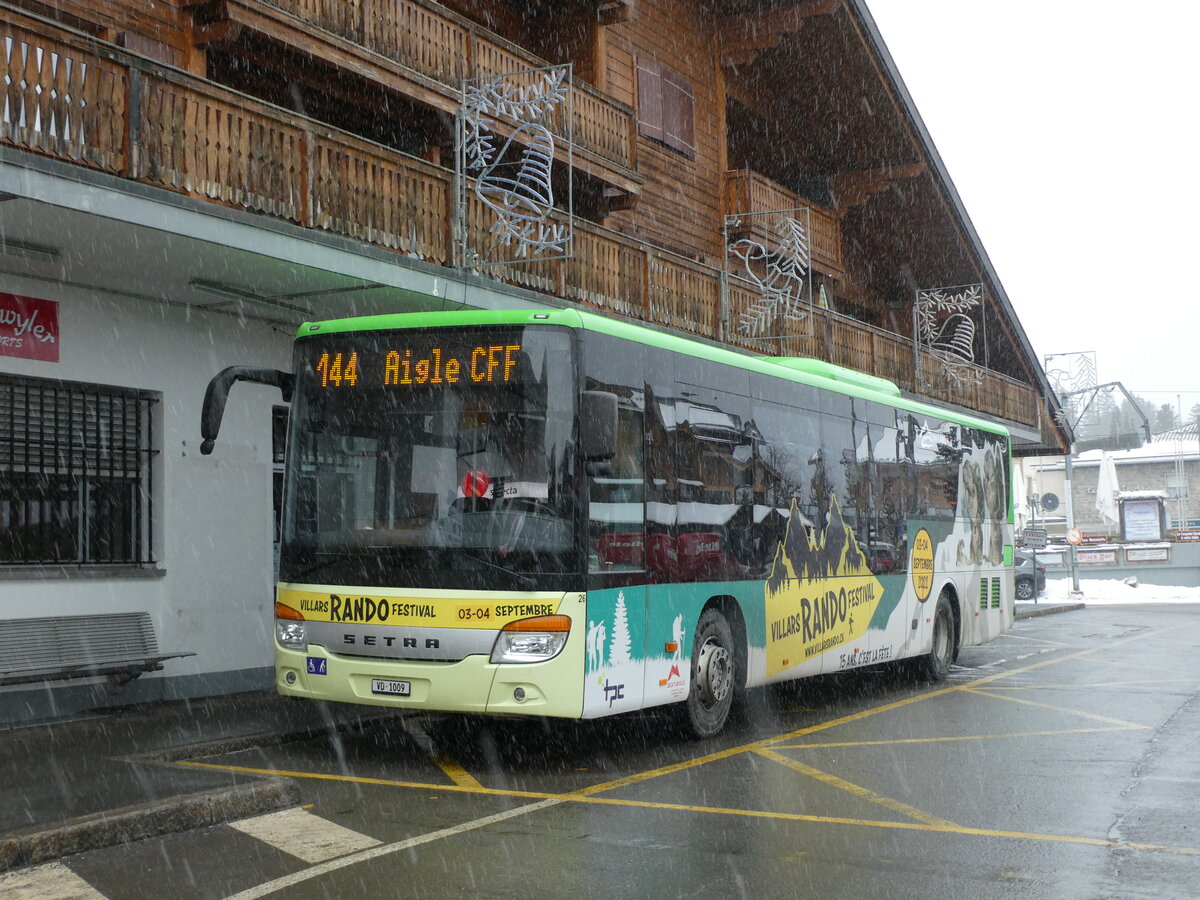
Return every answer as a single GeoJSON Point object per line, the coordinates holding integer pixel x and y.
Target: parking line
{"type": "Point", "coordinates": [414, 727]}
{"type": "Point", "coordinates": [1074, 712]}
{"type": "Point", "coordinates": [357, 779]}
{"type": "Point", "coordinates": [950, 738]}
{"type": "Point", "coordinates": [306, 836]}
{"type": "Point", "coordinates": [279, 884]}
{"type": "Point", "coordinates": [684, 765]}
{"type": "Point", "coordinates": [764, 747]}
{"type": "Point", "coordinates": [848, 719]}
{"type": "Point", "coordinates": [948, 828]}
{"type": "Point", "coordinates": [1092, 685]}
{"type": "Point", "coordinates": [52, 881]}
{"type": "Point", "coordinates": [855, 789]}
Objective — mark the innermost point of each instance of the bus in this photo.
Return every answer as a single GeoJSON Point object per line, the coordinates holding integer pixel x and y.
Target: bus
{"type": "Point", "coordinates": [554, 513]}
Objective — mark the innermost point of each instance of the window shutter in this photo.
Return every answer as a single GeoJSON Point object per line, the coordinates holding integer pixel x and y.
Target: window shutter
{"type": "Point", "coordinates": [678, 113]}
{"type": "Point", "coordinates": [650, 98]}
{"type": "Point", "coordinates": [666, 109]}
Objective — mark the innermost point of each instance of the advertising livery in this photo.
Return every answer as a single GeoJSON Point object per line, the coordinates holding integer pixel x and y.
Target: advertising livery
{"type": "Point", "coordinates": [553, 513]}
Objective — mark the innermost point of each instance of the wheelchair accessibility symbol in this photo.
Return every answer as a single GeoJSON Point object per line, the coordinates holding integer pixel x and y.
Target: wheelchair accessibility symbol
{"type": "Point", "coordinates": [316, 665]}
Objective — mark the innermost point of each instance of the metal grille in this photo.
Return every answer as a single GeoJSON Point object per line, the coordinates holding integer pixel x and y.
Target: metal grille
{"type": "Point", "coordinates": [983, 593]}
{"type": "Point", "coordinates": [75, 473]}
{"type": "Point", "coordinates": [995, 593]}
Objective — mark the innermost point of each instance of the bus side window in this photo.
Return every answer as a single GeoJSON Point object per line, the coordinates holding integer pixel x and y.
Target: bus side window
{"type": "Point", "coordinates": [617, 528]}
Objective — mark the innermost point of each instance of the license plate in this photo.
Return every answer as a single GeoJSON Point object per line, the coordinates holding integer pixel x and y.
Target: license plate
{"type": "Point", "coordinates": [396, 688]}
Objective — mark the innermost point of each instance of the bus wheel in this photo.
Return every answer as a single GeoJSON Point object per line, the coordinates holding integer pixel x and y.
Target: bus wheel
{"type": "Point", "coordinates": [713, 674]}
{"type": "Point", "coordinates": [935, 665]}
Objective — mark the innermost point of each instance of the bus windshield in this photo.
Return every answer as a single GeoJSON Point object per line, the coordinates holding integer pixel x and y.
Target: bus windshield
{"type": "Point", "coordinates": [430, 448]}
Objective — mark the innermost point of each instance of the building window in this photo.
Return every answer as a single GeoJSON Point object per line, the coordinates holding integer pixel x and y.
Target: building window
{"type": "Point", "coordinates": [665, 106]}
{"type": "Point", "coordinates": [75, 473]}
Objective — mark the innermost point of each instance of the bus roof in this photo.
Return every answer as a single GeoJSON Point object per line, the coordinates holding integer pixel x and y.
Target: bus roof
{"type": "Point", "coordinates": [803, 370]}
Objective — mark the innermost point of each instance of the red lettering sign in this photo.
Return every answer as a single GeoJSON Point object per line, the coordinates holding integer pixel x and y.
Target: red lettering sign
{"type": "Point", "coordinates": [28, 328]}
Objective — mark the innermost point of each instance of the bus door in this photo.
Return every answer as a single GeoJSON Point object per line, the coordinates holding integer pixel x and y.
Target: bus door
{"type": "Point", "coordinates": [617, 558]}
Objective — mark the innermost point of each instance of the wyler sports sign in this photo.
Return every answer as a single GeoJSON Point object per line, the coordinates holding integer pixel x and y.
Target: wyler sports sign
{"type": "Point", "coordinates": [28, 328]}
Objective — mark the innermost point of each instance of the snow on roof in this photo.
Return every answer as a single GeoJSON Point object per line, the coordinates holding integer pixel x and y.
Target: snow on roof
{"type": "Point", "coordinates": [1165, 447]}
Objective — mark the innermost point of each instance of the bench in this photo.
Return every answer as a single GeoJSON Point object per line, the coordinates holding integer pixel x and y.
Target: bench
{"type": "Point", "coordinates": [120, 646]}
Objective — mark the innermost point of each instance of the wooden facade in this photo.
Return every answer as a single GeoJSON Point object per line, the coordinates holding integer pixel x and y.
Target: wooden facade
{"type": "Point", "coordinates": [272, 106]}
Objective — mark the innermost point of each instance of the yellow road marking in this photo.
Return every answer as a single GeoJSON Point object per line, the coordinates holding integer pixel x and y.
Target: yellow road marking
{"type": "Point", "coordinates": [898, 826]}
{"type": "Point", "coordinates": [414, 727]}
{"type": "Point", "coordinates": [938, 740]}
{"type": "Point", "coordinates": [756, 745]}
{"type": "Point", "coordinates": [361, 779]}
{"type": "Point", "coordinates": [455, 772]}
{"type": "Point", "coordinates": [765, 747]}
{"type": "Point", "coordinates": [846, 720]}
{"type": "Point", "coordinates": [1091, 685]}
{"type": "Point", "coordinates": [580, 797]}
{"type": "Point", "coordinates": [855, 789]}
{"type": "Point", "coordinates": [1074, 712]}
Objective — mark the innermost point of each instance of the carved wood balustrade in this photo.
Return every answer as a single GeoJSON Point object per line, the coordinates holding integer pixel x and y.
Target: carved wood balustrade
{"type": "Point", "coordinates": [84, 102]}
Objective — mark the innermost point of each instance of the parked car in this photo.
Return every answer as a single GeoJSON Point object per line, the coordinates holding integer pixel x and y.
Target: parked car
{"type": "Point", "coordinates": [1024, 574]}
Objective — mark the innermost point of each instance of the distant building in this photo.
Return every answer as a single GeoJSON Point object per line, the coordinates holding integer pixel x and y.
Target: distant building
{"type": "Point", "coordinates": [1170, 463]}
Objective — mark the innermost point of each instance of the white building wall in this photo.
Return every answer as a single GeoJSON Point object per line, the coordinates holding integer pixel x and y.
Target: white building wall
{"type": "Point", "coordinates": [213, 526]}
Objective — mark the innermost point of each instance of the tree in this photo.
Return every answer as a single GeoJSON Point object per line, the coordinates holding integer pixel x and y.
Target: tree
{"type": "Point", "coordinates": [1127, 413]}
{"type": "Point", "coordinates": [1164, 419]}
{"type": "Point", "coordinates": [618, 653]}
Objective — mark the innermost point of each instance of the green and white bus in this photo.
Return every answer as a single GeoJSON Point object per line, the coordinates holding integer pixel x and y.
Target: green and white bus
{"type": "Point", "coordinates": [554, 513]}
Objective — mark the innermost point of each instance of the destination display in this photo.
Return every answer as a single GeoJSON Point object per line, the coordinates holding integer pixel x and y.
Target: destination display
{"type": "Point", "coordinates": [401, 367]}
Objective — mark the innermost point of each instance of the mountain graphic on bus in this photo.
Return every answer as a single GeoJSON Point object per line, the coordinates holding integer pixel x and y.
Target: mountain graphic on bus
{"type": "Point", "coordinates": [820, 594]}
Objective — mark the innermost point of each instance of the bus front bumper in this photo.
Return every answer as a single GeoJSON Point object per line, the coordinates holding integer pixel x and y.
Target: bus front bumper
{"type": "Point", "coordinates": [470, 685]}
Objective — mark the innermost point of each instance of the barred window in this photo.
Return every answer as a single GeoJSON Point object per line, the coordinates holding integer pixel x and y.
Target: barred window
{"type": "Point", "coordinates": [75, 473]}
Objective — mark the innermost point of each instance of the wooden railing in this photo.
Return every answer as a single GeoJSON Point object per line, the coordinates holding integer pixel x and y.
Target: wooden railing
{"type": "Point", "coordinates": [745, 191]}
{"type": "Point", "coordinates": [62, 100]}
{"type": "Point", "coordinates": [91, 104]}
{"type": "Point", "coordinates": [447, 48]}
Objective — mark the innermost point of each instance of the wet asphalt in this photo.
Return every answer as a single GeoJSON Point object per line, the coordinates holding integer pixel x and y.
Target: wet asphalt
{"type": "Point", "coordinates": [1065, 752]}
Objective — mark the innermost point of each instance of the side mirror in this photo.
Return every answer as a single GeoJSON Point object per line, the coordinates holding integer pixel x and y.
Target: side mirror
{"type": "Point", "coordinates": [598, 426]}
{"type": "Point", "coordinates": [213, 410]}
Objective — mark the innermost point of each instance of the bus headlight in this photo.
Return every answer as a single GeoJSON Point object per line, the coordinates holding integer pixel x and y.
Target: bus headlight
{"type": "Point", "coordinates": [289, 628]}
{"type": "Point", "coordinates": [531, 640]}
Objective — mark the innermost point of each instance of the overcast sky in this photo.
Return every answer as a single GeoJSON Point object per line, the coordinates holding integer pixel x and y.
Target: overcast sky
{"type": "Point", "coordinates": [1070, 131]}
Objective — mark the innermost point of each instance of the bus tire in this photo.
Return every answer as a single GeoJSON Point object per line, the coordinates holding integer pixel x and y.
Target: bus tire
{"type": "Point", "coordinates": [714, 673]}
{"type": "Point", "coordinates": [935, 665]}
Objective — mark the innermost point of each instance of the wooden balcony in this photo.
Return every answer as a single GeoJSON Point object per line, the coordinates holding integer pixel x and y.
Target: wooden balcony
{"type": "Point", "coordinates": [424, 50]}
{"type": "Point", "coordinates": [91, 104]}
{"type": "Point", "coordinates": [745, 191]}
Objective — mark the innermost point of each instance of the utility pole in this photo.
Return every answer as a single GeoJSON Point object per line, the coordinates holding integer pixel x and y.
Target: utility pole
{"type": "Point", "coordinates": [1034, 499]}
{"type": "Point", "coordinates": [1087, 396]}
{"type": "Point", "coordinates": [1072, 565]}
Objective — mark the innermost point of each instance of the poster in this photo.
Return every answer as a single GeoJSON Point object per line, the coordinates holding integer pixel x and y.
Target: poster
{"type": "Point", "coordinates": [1141, 520]}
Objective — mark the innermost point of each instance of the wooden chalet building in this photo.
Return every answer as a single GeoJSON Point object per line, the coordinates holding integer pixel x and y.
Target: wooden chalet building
{"type": "Point", "coordinates": [182, 181]}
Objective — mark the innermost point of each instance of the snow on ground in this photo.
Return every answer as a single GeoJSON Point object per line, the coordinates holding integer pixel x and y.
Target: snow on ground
{"type": "Point", "coordinates": [1098, 593]}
